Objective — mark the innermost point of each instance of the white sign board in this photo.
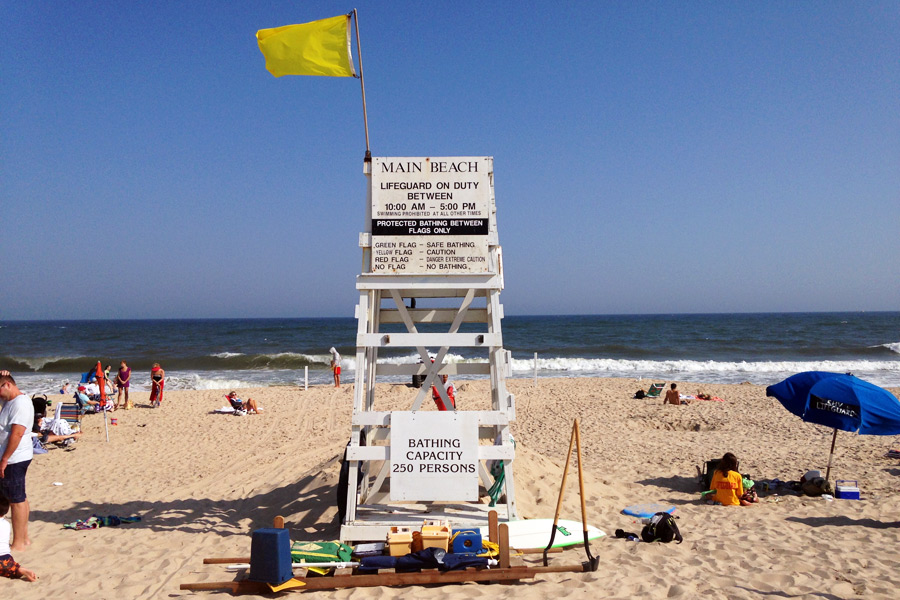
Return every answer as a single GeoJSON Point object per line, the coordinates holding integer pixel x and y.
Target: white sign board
{"type": "Point", "coordinates": [431, 215]}
{"type": "Point", "coordinates": [434, 456]}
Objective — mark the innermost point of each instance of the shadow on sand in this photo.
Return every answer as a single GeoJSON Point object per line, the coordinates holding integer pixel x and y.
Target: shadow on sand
{"type": "Point", "coordinates": [310, 498]}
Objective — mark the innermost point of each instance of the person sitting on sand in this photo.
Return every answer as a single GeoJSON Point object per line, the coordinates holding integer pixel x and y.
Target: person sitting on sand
{"type": "Point", "coordinates": [673, 397]}
{"type": "Point", "coordinates": [238, 404]}
{"type": "Point", "coordinates": [728, 483]}
{"type": "Point", "coordinates": [8, 566]}
{"type": "Point", "coordinates": [45, 434]}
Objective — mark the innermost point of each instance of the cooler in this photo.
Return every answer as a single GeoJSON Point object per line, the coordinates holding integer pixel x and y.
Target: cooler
{"type": "Point", "coordinates": [846, 489]}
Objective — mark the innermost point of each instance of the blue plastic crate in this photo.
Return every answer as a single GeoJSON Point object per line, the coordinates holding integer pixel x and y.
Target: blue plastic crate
{"type": "Point", "coordinates": [270, 556]}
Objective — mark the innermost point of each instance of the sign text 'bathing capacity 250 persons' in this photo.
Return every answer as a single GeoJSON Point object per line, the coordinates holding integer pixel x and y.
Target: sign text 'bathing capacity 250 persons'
{"type": "Point", "coordinates": [431, 215]}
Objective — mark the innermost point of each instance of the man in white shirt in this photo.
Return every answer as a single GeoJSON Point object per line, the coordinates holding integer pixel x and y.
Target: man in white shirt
{"type": "Point", "coordinates": [336, 366]}
{"type": "Point", "coordinates": [16, 452]}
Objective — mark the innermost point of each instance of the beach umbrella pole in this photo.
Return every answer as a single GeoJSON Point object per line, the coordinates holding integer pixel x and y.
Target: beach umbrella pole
{"type": "Point", "coordinates": [831, 455]}
{"type": "Point", "coordinates": [105, 424]}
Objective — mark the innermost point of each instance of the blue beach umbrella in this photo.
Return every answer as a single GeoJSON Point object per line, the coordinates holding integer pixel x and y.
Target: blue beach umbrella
{"type": "Point", "coordinates": [839, 401]}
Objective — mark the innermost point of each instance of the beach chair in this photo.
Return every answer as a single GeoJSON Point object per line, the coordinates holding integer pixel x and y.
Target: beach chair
{"type": "Point", "coordinates": [655, 390]}
{"type": "Point", "coordinates": [70, 412]}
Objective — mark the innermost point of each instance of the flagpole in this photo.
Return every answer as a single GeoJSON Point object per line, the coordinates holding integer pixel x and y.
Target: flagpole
{"type": "Point", "coordinates": [362, 84]}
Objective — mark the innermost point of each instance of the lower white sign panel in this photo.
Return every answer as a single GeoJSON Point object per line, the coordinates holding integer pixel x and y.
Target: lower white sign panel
{"type": "Point", "coordinates": [434, 456]}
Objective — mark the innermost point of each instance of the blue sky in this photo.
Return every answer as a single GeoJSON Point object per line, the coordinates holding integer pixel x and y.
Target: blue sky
{"type": "Point", "coordinates": [649, 157]}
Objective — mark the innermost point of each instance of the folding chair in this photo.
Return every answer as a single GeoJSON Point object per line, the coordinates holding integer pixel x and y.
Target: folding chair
{"type": "Point", "coordinates": [655, 390]}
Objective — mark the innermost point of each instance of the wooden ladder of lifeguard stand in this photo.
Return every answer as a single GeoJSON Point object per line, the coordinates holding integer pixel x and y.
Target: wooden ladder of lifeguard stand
{"type": "Point", "coordinates": [386, 321]}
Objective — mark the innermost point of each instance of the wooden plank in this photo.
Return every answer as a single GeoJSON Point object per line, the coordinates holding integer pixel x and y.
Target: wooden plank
{"type": "Point", "coordinates": [504, 546]}
{"type": "Point", "coordinates": [278, 522]}
{"type": "Point", "coordinates": [434, 315]}
{"type": "Point", "coordinates": [226, 561]}
{"type": "Point", "coordinates": [388, 579]}
{"type": "Point", "coordinates": [421, 283]}
{"type": "Point", "coordinates": [413, 340]}
{"type": "Point", "coordinates": [475, 368]}
{"type": "Point", "coordinates": [424, 578]}
{"type": "Point", "coordinates": [493, 527]}
{"type": "Point", "coordinates": [383, 418]}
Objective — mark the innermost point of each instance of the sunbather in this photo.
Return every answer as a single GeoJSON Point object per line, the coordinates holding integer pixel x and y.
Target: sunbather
{"type": "Point", "coordinates": [238, 404]}
{"type": "Point", "coordinates": [673, 397]}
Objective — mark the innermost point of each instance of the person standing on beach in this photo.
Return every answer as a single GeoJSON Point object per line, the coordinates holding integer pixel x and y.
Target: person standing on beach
{"type": "Point", "coordinates": [436, 396]}
{"type": "Point", "coordinates": [336, 366]}
{"type": "Point", "coordinates": [16, 452]}
{"type": "Point", "coordinates": [158, 381]}
{"type": "Point", "coordinates": [123, 382]}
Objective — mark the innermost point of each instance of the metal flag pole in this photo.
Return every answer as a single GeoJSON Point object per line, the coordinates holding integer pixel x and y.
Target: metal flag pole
{"type": "Point", "coordinates": [362, 85]}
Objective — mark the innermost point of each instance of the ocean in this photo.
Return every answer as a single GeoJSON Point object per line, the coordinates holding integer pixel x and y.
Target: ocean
{"type": "Point", "coordinates": [235, 353]}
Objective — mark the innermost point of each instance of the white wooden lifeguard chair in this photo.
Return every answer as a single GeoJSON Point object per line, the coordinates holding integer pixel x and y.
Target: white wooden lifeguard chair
{"type": "Point", "coordinates": [430, 239]}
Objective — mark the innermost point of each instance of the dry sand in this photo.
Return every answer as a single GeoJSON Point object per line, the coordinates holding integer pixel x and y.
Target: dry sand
{"type": "Point", "coordinates": [202, 482]}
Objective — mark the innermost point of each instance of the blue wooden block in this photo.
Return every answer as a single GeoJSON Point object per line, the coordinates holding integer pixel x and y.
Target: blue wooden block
{"type": "Point", "coordinates": [270, 556]}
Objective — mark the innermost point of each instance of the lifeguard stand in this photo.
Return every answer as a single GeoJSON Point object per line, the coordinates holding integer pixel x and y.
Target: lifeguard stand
{"type": "Point", "coordinates": [430, 238]}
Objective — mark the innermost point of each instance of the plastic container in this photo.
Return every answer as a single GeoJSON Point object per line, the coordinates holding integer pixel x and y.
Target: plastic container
{"type": "Point", "coordinates": [270, 556]}
{"type": "Point", "coordinates": [435, 534]}
{"type": "Point", "coordinates": [846, 489]}
{"type": "Point", "coordinates": [466, 541]}
{"type": "Point", "coordinates": [399, 541]}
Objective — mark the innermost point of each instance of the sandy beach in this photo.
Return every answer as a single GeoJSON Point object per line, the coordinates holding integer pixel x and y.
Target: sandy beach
{"type": "Point", "coordinates": [202, 482]}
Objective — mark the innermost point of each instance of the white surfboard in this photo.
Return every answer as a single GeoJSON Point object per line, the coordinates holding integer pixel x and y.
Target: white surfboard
{"type": "Point", "coordinates": [535, 533]}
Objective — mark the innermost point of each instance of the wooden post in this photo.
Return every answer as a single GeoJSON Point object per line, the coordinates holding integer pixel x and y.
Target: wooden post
{"type": "Point", "coordinates": [504, 546]}
{"type": "Point", "coordinates": [493, 527]}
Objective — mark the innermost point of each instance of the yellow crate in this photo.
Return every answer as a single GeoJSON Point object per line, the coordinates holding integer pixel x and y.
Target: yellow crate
{"type": "Point", "coordinates": [399, 541]}
{"type": "Point", "coordinates": [435, 534]}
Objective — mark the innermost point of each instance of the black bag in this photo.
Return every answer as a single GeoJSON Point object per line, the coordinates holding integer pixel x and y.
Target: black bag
{"type": "Point", "coordinates": [639, 394]}
{"type": "Point", "coordinates": [661, 528]}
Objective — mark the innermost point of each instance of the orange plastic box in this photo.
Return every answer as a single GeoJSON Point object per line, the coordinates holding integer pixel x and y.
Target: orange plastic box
{"type": "Point", "coordinates": [399, 541]}
{"type": "Point", "coordinates": [435, 534]}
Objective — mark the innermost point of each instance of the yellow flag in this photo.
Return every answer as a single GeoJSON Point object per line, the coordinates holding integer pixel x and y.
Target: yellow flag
{"type": "Point", "coordinates": [316, 48]}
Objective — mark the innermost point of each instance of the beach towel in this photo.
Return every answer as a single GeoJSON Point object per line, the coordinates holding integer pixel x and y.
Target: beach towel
{"type": "Point", "coordinates": [97, 521]}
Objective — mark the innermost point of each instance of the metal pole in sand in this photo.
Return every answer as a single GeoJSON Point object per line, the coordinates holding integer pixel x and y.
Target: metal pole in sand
{"type": "Point", "coordinates": [535, 369]}
{"type": "Point", "coordinates": [306, 377]}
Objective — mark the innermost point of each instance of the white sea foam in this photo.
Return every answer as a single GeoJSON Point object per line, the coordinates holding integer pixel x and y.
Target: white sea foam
{"type": "Point", "coordinates": [227, 354]}
{"type": "Point", "coordinates": [883, 373]}
{"type": "Point", "coordinates": [895, 347]}
{"type": "Point", "coordinates": [879, 372]}
{"type": "Point", "coordinates": [39, 362]}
